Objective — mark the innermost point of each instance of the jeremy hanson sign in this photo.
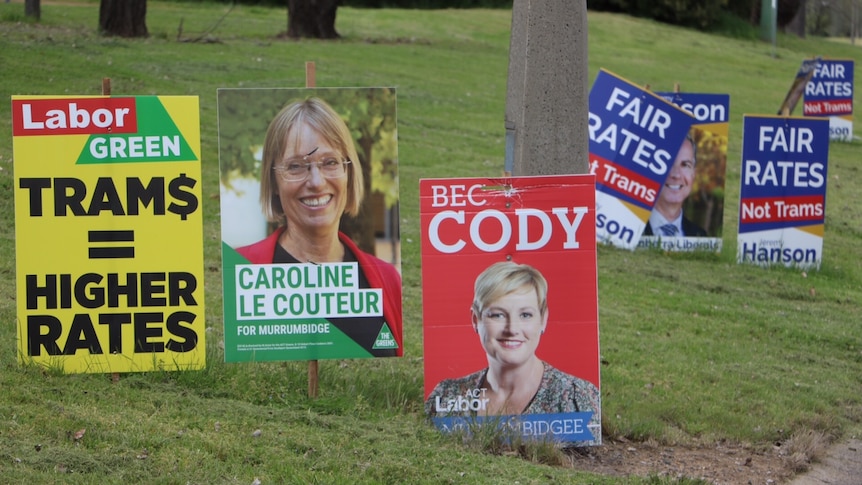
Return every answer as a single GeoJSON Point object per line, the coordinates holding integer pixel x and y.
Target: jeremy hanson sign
{"type": "Point", "coordinates": [829, 93]}
{"type": "Point", "coordinates": [510, 305]}
{"type": "Point", "coordinates": [782, 205]}
{"type": "Point", "coordinates": [108, 229]}
{"type": "Point", "coordinates": [634, 137]}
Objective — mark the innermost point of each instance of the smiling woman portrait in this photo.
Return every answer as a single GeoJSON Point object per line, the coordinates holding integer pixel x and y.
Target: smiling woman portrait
{"type": "Point", "coordinates": [509, 315]}
{"type": "Point", "coordinates": [311, 176]}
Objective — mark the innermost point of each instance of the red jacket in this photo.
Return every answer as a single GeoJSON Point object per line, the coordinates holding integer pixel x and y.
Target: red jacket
{"type": "Point", "coordinates": [379, 273]}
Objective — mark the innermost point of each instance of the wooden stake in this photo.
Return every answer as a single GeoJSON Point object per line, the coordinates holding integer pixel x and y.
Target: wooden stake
{"type": "Point", "coordinates": [310, 73]}
{"type": "Point", "coordinates": [311, 82]}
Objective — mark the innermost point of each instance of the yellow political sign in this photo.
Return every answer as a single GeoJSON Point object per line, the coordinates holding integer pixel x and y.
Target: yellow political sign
{"type": "Point", "coordinates": [108, 231]}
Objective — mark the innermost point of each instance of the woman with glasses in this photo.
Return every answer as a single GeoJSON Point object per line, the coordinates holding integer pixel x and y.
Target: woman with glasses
{"type": "Point", "coordinates": [510, 314]}
{"type": "Point", "coordinates": [310, 177]}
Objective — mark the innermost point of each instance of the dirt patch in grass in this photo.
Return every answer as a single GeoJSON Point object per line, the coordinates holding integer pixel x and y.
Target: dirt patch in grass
{"type": "Point", "coordinates": [717, 464]}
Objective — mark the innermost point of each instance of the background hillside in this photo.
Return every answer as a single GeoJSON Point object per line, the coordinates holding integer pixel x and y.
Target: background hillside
{"type": "Point", "coordinates": [696, 350]}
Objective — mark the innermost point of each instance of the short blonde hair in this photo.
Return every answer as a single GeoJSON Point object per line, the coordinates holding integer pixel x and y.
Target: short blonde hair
{"type": "Point", "coordinates": [283, 132]}
{"type": "Point", "coordinates": [500, 279]}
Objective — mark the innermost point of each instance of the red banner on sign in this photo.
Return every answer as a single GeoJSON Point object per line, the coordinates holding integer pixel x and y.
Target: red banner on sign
{"type": "Point", "coordinates": [782, 209]}
{"type": "Point", "coordinates": [827, 108]}
{"type": "Point", "coordinates": [627, 182]}
{"type": "Point", "coordinates": [74, 116]}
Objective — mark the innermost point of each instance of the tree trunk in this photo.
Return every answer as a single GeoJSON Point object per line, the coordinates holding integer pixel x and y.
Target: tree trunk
{"type": "Point", "coordinates": [123, 18]}
{"type": "Point", "coordinates": [799, 23]}
{"type": "Point", "coordinates": [787, 10]}
{"type": "Point", "coordinates": [33, 8]}
{"type": "Point", "coordinates": [754, 12]}
{"type": "Point", "coordinates": [312, 19]}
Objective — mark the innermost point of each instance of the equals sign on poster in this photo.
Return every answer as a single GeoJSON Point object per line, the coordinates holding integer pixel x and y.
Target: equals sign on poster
{"type": "Point", "coordinates": [109, 250]}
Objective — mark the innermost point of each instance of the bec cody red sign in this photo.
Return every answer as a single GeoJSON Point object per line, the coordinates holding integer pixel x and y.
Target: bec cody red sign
{"type": "Point", "coordinates": [74, 116]}
{"type": "Point", "coordinates": [498, 231]}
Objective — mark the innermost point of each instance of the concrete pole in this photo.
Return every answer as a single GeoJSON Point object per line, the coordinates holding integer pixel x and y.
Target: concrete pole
{"type": "Point", "coordinates": [547, 92]}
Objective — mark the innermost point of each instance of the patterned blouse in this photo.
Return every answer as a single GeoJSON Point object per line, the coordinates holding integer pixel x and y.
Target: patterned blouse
{"type": "Point", "coordinates": [558, 393]}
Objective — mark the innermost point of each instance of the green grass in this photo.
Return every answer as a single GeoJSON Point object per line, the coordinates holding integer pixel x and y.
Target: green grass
{"type": "Point", "coordinates": [697, 349]}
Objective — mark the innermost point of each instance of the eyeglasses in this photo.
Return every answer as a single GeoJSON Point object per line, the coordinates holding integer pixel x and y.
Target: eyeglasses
{"type": "Point", "coordinates": [297, 169]}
